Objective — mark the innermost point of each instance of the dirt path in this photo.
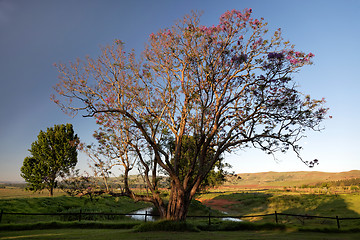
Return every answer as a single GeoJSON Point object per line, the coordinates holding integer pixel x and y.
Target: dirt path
{"type": "Point", "coordinates": [218, 204]}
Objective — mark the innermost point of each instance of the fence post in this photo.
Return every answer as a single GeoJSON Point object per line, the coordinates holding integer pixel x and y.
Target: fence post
{"type": "Point", "coordinates": [276, 217]}
{"type": "Point", "coordinates": [145, 216]}
{"type": "Point", "coordinates": [2, 211]}
{"type": "Point", "coordinates": [338, 222]}
{"type": "Point", "coordinates": [80, 215]}
{"type": "Point", "coordinates": [209, 219]}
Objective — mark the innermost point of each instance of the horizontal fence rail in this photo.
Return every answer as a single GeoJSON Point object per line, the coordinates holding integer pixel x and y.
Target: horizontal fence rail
{"type": "Point", "coordinates": [80, 214]}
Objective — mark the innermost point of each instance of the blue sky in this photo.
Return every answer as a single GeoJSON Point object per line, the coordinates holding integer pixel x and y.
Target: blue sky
{"type": "Point", "coordinates": [36, 34]}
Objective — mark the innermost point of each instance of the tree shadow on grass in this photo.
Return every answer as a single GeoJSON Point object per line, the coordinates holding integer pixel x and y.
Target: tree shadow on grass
{"type": "Point", "coordinates": [253, 203]}
{"type": "Point", "coordinates": [317, 205]}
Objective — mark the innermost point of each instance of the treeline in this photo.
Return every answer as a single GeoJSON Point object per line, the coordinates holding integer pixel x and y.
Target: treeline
{"type": "Point", "coordinates": [10, 184]}
{"type": "Point", "coordinates": [338, 183]}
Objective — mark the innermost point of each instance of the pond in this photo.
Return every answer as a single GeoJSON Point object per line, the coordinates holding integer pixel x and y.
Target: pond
{"type": "Point", "coordinates": [142, 213]}
{"type": "Point", "coordinates": [141, 216]}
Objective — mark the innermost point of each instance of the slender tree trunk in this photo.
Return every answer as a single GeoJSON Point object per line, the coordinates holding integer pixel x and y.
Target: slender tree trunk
{"type": "Point", "coordinates": [51, 186]}
{"type": "Point", "coordinates": [51, 191]}
{"type": "Point", "coordinates": [126, 181]}
{"type": "Point", "coordinates": [106, 184]}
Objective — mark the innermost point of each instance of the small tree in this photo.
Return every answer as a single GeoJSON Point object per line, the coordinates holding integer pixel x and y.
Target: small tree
{"type": "Point", "coordinates": [116, 147]}
{"type": "Point", "coordinates": [53, 155]}
{"type": "Point", "coordinates": [75, 184]}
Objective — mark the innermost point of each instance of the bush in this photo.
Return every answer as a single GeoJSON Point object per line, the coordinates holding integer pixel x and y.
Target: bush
{"type": "Point", "coordinates": [171, 226]}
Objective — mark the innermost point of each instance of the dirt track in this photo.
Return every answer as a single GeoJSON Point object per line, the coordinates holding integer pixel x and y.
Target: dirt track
{"type": "Point", "coordinates": [218, 204]}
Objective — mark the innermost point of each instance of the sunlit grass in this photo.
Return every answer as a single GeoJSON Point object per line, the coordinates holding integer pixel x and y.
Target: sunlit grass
{"type": "Point", "coordinates": [353, 202]}
{"type": "Point", "coordinates": [16, 192]}
{"type": "Point", "coordinates": [251, 202]}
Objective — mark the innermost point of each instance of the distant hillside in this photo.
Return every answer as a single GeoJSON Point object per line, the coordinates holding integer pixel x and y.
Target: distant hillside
{"type": "Point", "coordinates": [262, 179]}
{"type": "Point", "coordinates": [288, 178]}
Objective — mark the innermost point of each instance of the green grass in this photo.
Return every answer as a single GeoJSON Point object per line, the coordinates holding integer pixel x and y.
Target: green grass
{"type": "Point", "coordinates": [168, 226]}
{"type": "Point", "coordinates": [67, 225]}
{"type": "Point", "coordinates": [64, 204]}
{"type": "Point", "coordinates": [242, 203]}
{"type": "Point", "coordinates": [18, 192]}
{"type": "Point", "coordinates": [95, 234]}
{"type": "Point", "coordinates": [267, 202]}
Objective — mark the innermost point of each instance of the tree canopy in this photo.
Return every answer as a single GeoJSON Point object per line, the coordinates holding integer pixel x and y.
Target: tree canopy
{"type": "Point", "coordinates": [53, 154]}
{"type": "Point", "coordinates": [229, 86]}
{"type": "Point", "coordinates": [216, 175]}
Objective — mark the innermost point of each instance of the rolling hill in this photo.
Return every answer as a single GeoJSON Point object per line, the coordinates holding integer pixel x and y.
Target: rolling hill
{"type": "Point", "coordinates": [288, 178]}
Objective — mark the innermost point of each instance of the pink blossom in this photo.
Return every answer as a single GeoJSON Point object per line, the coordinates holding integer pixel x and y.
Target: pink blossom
{"type": "Point", "coordinates": [294, 61]}
{"type": "Point", "coordinates": [203, 28]}
{"type": "Point", "coordinates": [107, 100]}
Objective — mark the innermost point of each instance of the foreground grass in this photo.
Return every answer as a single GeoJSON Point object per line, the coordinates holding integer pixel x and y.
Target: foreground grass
{"type": "Point", "coordinates": [90, 234]}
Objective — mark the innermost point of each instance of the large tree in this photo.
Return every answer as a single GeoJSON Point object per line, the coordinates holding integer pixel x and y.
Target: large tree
{"type": "Point", "coordinates": [229, 86]}
{"type": "Point", "coordinates": [53, 154]}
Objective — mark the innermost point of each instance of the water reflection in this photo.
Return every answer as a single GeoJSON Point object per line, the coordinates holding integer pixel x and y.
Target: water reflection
{"type": "Point", "coordinates": [230, 218]}
{"type": "Point", "coordinates": [141, 216]}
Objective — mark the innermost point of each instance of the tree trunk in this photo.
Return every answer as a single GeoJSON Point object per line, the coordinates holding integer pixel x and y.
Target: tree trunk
{"type": "Point", "coordinates": [126, 181]}
{"type": "Point", "coordinates": [51, 185]}
{"type": "Point", "coordinates": [178, 205]}
{"type": "Point", "coordinates": [51, 191]}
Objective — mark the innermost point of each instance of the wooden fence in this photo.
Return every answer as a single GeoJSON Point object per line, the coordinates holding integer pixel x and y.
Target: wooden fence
{"type": "Point", "coordinates": [81, 214]}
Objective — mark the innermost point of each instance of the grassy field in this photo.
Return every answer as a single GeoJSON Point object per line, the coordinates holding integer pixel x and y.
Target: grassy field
{"type": "Point", "coordinates": [18, 192]}
{"type": "Point", "coordinates": [96, 234]}
{"type": "Point", "coordinates": [287, 179]}
{"type": "Point", "coordinates": [244, 202]}
{"type": "Point", "coordinates": [234, 202]}
{"type": "Point", "coordinates": [26, 202]}
{"type": "Point", "coordinates": [262, 196]}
